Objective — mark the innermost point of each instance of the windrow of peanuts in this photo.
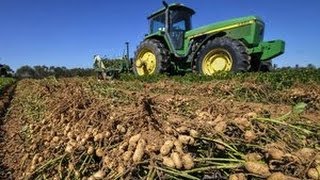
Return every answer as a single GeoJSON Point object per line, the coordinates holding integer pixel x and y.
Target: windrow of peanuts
{"type": "Point", "coordinates": [234, 149]}
{"type": "Point", "coordinates": [82, 136]}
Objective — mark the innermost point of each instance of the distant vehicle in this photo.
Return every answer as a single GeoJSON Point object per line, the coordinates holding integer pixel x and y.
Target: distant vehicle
{"type": "Point", "coordinates": [233, 45]}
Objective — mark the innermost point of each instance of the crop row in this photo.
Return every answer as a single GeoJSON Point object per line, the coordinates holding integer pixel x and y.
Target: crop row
{"type": "Point", "coordinates": [279, 79]}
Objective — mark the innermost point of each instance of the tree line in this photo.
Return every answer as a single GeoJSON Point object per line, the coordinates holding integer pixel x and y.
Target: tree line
{"type": "Point", "coordinates": [39, 72]}
{"type": "Point", "coordinates": [43, 71]}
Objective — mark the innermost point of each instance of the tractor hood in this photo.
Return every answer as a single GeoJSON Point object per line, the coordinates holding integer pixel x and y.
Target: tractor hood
{"type": "Point", "coordinates": [222, 26]}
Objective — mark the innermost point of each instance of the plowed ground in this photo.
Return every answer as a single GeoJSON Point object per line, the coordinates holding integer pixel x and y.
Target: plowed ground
{"type": "Point", "coordinates": [80, 128]}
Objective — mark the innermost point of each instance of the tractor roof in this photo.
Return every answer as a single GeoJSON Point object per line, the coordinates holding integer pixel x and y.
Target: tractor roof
{"type": "Point", "coordinates": [174, 6]}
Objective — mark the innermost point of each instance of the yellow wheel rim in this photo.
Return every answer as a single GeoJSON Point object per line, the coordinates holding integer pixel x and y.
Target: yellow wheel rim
{"type": "Point", "coordinates": [216, 60]}
{"type": "Point", "coordinates": [146, 62]}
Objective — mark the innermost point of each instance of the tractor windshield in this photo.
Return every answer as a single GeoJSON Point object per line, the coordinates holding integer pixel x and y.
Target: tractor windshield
{"type": "Point", "coordinates": [180, 20]}
{"type": "Point", "coordinates": [158, 23]}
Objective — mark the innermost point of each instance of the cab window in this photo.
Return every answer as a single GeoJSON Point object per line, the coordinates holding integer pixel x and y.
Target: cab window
{"type": "Point", "coordinates": [157, 23]}
{"type": "Point", "coordinates": [180, 20]}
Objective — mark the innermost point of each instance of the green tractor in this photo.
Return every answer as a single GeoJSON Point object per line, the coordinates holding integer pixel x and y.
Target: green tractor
{"type": "Point", "coordinates": [173, 46]}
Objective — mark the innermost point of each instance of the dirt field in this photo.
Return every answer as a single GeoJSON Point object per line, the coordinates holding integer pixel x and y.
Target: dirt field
{"type": "Point", "coordinates": [80, 128]}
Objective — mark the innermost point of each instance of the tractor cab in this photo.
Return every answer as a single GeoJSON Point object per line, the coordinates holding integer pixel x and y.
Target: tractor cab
{"type": "Point", "coordinates": [172, 21]}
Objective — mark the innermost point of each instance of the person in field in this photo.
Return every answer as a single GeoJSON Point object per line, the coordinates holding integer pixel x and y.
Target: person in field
{"type": "Point", "coordinates": [99, 67]}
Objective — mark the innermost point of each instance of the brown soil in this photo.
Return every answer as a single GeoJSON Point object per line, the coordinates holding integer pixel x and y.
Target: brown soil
{"type": "Point", "coordinates": [56, 128]}
{"type": "Point", "coordinates": [5, 99]}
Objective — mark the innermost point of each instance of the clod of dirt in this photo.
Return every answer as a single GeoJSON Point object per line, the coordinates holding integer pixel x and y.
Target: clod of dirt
{"type": "Point", "coordinates": [239, 176]}
{"type": "Point", "coordinates": [258, 168]}
{"type": "Point", "coordinates": [166, 148]}
{"type": "Point", "coordinates": [220, 127]}
{"type": "Point", "coordinates": [242, 123]}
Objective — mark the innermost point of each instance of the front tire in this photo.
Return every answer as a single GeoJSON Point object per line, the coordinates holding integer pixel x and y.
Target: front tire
{"type": "Point", "coordinates": [266, 66]}
{"type": "Point", "coordinates": [222, 54]}
{"type": "Point", "coordinates": [151, 57]}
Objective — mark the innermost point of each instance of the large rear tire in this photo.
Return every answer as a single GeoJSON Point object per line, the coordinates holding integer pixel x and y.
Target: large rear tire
{"type": "Point", "coordinates": [151, 57]}
{"type": "Point", "coordinates": [222, 54]}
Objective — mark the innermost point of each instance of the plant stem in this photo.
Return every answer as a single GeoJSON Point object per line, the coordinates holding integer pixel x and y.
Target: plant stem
{"type": "Point", "coordinates": [224, 144]}
{"type": "Point", "coordinates": [177, 173]}
{"type": "Point", "coordinates": [284, 123]}
{"type": "Point", "coordinates": [48, 164]}
{"type": "Point", "coordinates": [227, 166]}
{"type": "Point", "coordinates": [219, 159]}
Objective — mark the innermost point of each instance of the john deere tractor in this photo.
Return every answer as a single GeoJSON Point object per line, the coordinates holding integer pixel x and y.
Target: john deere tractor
{"type": "Point", "coordinates": [234, 45]}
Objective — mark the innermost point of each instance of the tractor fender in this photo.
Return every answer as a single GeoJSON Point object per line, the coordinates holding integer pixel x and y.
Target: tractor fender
{"type": "Point", "coordinates": [194, 52]}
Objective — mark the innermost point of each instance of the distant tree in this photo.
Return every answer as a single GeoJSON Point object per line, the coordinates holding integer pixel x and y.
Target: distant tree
{"type": "Point", "coordinates": [311, 66]}
{"type": "Point", "coordinates": [60, 72]}
{"type": "Point", "coordinates": [44, 71]}
{"type": "Point", "coordinates": [5, 70]}
{"type": "Point", "coordinates": [41, 71]}
{"type": "Point", "coordinates": [25, 72]}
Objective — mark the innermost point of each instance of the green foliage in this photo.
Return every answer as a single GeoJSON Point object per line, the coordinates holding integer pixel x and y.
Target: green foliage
{"type": "Point", "coordinates": [277, 80]}
{"type": "Point", "coordinates": [40, 72]}
{"type": "Point", "coordinates": [147, 79]}
{"type": "Point", "coordinates": [299, 108]}
{"type": "Point", "coordinates": [5, 82]}
{"type": "Point", "coordinates": [283, 79]}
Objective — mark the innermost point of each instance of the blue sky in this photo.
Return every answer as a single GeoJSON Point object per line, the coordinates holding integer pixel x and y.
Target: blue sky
{"type": "Point", "coordinates": [69, 32]}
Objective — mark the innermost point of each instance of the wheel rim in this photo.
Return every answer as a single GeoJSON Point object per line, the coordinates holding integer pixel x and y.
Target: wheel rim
{"type": "Point", "coordinates": [216, 60]}
{"type": "Point", "coordinates": [146, 62]}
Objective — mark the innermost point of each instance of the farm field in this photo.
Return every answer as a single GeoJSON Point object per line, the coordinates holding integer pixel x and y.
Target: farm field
{"type": "Point", "coordinates": [244, 126]}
